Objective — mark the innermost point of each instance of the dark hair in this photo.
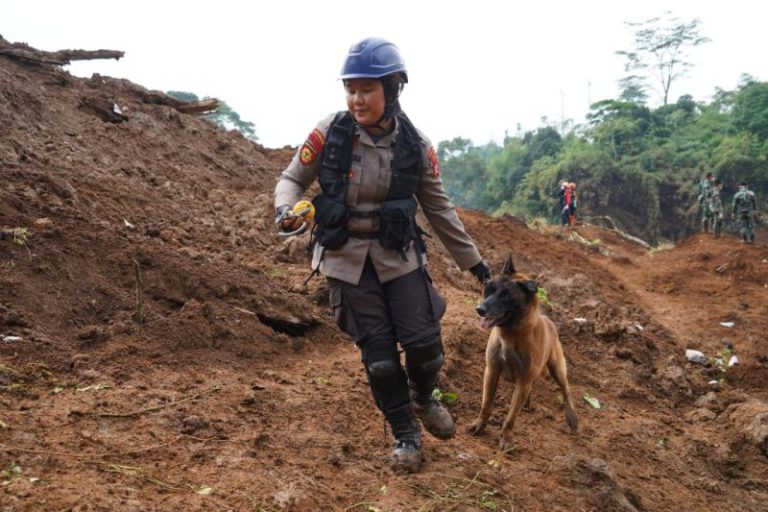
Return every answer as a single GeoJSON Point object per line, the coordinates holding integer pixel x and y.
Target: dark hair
{"type": "Point", "coordinates": [743, 184]}
{"type": "Point", "coordinates": [718, 182]}
{"type": "Point", "coordinates": [709, 174]}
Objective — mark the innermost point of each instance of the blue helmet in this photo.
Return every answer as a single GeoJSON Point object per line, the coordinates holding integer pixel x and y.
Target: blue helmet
{"type": "Point", "coordinates": [373, 57]}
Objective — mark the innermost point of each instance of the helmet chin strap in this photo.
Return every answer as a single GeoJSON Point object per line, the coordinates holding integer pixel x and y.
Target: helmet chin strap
{"type": "Point", "coordinates": [378, 124]}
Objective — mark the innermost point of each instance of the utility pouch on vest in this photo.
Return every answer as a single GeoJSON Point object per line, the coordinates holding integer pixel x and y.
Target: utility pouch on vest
{"type": "Point", "coordinates": [331, 219]}
{"type": "Point", "coordinates": [398, 224]}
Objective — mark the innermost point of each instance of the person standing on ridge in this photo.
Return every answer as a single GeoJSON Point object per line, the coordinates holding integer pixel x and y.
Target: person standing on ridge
{"type": "Point", "coordinates": [374, 168]}
{"type": "Point", "coordinates": [745, 206]}
{"type": "Point", "coordinates": [716, 207]}
{"type": "Point", "coordinates": [572, 216]}
{"type": "Point", "coordinates": [706, 185]}
{"type": "Point", "coordinates": [565, 202]}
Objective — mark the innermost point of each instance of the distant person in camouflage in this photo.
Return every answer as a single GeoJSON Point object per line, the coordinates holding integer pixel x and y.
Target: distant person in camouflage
{"type": "Point", "coordinates": [716, 207]}
{"type": "Point", "coordinates": [745, 207]}
{"type": "Point", "coordinates": [706, 186]}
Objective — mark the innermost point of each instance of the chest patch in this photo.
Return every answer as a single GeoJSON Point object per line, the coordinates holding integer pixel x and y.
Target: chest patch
{"type": "Point", "coordinates": [433, 162]}
{"type": "Point", "coordinates": [311, 147]}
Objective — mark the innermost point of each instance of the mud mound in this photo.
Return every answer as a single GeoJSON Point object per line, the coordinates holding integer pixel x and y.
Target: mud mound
{"type": "Point", "coordinates": [158, 350]}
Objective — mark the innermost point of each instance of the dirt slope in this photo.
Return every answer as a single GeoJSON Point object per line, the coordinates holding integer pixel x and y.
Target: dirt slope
{"type": "Point", "coordinates": [238, 393]}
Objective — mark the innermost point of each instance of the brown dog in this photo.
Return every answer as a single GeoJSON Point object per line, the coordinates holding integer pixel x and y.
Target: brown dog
{"type": "Point", "coordinates": [523, 345]}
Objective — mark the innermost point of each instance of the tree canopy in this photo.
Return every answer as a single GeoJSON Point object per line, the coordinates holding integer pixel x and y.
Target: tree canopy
{"type": "Point", "coordinates": [224, 117]}
{"type": "Point", "coordinates": [637, 164]}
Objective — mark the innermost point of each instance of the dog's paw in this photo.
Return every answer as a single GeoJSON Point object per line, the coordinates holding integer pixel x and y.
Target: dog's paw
{"type": "Point", "coordinates": [476, 428]}
{"type": "Point", "coordinates": [506, 445]}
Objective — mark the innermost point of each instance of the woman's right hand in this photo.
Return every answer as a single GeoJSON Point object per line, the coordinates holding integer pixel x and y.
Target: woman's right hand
{"type": "Point", "coordinates": [286, 220]}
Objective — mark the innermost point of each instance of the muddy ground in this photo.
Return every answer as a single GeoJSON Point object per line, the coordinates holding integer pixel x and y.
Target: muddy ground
{"type": "Point", "coordinates": [237, 392]}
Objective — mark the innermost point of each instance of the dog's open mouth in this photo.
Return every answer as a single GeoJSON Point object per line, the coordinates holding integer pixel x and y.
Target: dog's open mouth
{"type": "Point", "coordinates": [488, 323]}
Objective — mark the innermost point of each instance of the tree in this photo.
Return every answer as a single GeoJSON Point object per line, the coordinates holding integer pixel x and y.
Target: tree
{"type": "Point", "coordinates": [661, 50]}
{"type": "Point", "coordinates": [223, 117]}
{"type": "Point", "coordinates": [750, 109]}
{"type": "Point", "coordinates": [227, 119]}
{"type": "Point", "coordinates": [464, 171]}
{"type": "Point", "coordinates": [619, 126]}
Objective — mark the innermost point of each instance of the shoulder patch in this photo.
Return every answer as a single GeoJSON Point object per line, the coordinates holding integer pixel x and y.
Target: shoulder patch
{"type": "Point", "coordinates": [433, 162]}
{"type": "Point", "coordinates": [311, 147]}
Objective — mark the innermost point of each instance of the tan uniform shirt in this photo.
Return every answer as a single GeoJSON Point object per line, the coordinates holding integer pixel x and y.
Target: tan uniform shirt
{"type": "Point", "coordinates": [367, 189]}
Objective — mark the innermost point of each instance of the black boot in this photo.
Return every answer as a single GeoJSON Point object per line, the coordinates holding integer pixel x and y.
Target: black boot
{"type": "Point", "coordinates": [423, 362]}
{"type": "Point", "coordinates": [406, 456]}
{"type": "Point", "coordinates": [435, 418]}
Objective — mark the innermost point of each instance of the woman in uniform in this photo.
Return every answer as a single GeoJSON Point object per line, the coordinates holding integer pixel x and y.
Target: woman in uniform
{"type": "Point", "coordinates": [374, 168]}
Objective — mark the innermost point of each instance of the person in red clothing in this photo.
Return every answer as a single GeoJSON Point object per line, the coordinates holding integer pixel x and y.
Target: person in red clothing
{"type": "Point", "coordinates": [572, 217]}
{"type": "Point", "coordinates": [567, 202]}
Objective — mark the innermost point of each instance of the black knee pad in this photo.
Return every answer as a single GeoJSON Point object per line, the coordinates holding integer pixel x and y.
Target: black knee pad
{"type": "Point", "coordinates": [425, 358]}
{"type": "Point", "coordinates": [381, 363]}
{"type": "Point", "coordinates": [381, 370]}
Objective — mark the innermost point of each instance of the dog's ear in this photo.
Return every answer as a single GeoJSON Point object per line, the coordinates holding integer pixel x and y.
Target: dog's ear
{"type": "Point", "coordinates": [509, 267]}
{"type": "Point", "coordinates": [529, 287]}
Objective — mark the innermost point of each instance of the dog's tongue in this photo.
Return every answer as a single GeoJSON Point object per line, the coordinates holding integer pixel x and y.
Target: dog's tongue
{"type": "Point", "coordinates": [486, 323]}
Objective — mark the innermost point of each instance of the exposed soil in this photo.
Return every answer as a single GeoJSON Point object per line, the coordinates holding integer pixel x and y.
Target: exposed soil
{"type": "Point", "coordinates": [239, 393]}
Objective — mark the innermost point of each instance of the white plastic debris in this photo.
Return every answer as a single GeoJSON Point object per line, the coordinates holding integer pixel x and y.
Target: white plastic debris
{"type": "Point", "coordinates": [727, 324]}
{"type": "Point", "coordinates": [580, 320]}
{"type": "Point", "coordinates": [713, 383]}
{"type": "Point", "coordinates": [695, 356]}
{"type": "Point", "coordinates": [733, 361]}
{"type": "Point", "coordinates": [639, 327]}
{"type": "Point", "coordinates": [128, 224]}
{"type": "Point", "coordinates": [11, 339]}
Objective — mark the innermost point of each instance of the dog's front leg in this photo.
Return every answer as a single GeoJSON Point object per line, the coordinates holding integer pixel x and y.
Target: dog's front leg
{"type": "Point", "coordinates": [519, 396]}
{"type": "Point", "coordinates": [490, 383]}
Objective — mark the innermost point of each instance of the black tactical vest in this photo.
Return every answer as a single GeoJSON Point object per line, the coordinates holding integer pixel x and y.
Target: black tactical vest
{"type": "Point", "coordinates": [397, 213]}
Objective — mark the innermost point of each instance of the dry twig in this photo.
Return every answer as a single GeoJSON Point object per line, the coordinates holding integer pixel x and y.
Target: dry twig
{"type": "Point", "coordinates": [137, 413]}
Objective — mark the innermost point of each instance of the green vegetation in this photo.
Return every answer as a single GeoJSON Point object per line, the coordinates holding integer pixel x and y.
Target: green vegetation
{"type": "Point", "coordinates": [541, 293]}
{"type": "Point", "coordinates": [444, 396]}
{"type": "Point", "coordinates": [223, 117]}
{"type": "Point", "coordinates": [638, 164]}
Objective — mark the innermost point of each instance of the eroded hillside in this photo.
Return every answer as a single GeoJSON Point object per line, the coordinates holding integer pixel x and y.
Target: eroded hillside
{"type": "Point", "coordinates": [238, 392]}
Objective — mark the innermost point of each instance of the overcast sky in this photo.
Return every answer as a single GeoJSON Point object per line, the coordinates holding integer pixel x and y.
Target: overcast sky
{"type": "Point", "coordinates": [477, 68]}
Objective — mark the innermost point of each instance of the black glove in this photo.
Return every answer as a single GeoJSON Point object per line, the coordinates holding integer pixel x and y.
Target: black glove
{"type": "Point", "coordinates": [481, 271]}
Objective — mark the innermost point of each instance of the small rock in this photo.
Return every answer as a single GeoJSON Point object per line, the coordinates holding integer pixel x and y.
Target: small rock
{"type": "Point", "coordinates": [700, 416]}
{"type": "Point", "coordinates": [695, 356]}
{"type": "Point", "coordinates": [193, 423]}
{"type": "Point", "coordinates": [707, 399]}
{"type": "Point", "coordinates": [92, 333]}
{"type": "Point", "coordinates": [248, 401]}
{"type": "Point", "coordinates": [90, 374]}
{"type": "Point", "coordinates": [751, 419]}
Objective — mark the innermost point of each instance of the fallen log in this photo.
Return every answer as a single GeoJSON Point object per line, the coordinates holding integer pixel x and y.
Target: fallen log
{"type": "Point", "coordinates": [186, 107]}
{"type": "Point", "coordinates": [25, 53]}
{"type": "Point", "coordinates": [622, 234]}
